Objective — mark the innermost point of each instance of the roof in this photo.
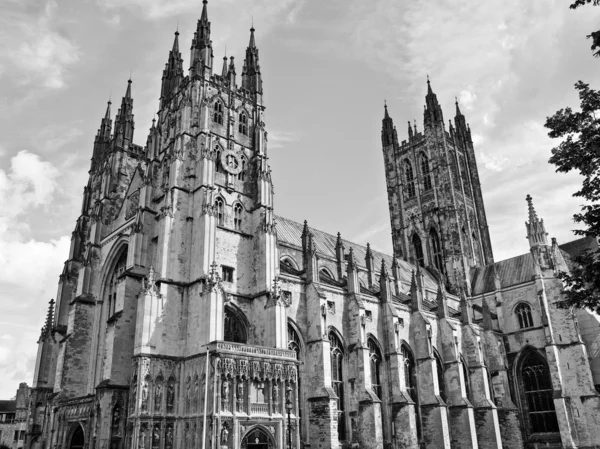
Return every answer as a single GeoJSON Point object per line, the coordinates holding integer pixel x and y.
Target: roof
{"type": "Point", "coordinates": [8, 406]}
{"type": "Point", "coordinates": [290, 232]}
{"type": "Point", "coordinates": [513, 271]}
{"type": "Point", "coordinates": [576, 247]}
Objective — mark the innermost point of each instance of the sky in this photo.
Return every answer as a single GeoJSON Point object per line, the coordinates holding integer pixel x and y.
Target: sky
{"type": "Point", "coordinates": [327, 68]}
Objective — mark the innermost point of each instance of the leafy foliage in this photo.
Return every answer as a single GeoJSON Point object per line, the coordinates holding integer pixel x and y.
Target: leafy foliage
{"type": "Point", "coordinates": [595, 35]}
{"type": "Point", "coordinates": [580, 151]}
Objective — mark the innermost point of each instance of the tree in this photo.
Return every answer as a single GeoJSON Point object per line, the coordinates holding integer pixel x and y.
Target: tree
{"type": "Point", "coordinates": [595, 35]}
{"type": "Point", "coordinates": [580, 151]}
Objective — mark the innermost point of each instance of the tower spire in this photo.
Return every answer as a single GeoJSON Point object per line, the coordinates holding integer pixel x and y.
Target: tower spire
{"type": "Point", "coordinates": [124, 124]}
{"type": "Point", "coordinates": [202, 54]}
{"type": "Point", "coordinates": [387, 127]}
{"type": "Point", "coordinates": [173, 72]}
{"type": "Point", "coordinates": [224, 69]}
{"type": "Point", "coordinates": [251, 76]}
{"type": "Point", "coordinates": [433, 111]}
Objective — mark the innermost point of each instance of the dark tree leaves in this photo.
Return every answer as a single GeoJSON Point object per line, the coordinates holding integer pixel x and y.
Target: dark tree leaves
{"type": "Point", "coordinates": [580, 151]}
{"type": "Point", "coordinates": [595, 34]}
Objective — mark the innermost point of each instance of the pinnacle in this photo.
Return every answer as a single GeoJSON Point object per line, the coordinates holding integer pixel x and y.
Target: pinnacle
{"type": "Point", "coordinates": [224, 70]}
{"type": "Point", "coordinates": [107, 115]}
{"type": "Point", "coordinates": [532, 214]}
{"type": "Point", "coordinates": [128, 92]}
{"type": "Point", "coordinates": [204, 16]}
{"type": "Point", "coordinates": [429, 91]}
{"type": "Point", "coordinates": [458, 113]}
{"type": "Point", "coordinates": [252, 43]}
{"type": "Point", "coordinates": [176, 43]}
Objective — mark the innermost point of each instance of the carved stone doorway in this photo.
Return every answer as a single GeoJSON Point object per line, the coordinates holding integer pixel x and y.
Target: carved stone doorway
{"type": "Point", "coordinates": [77, 438]}
{"type": "Point", "coordinates": [257, 438]}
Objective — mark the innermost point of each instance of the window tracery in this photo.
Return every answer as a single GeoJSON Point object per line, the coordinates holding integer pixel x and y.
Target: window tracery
{"type": "Point", "coordinates": [436, 250]}
{"type": "Point", "coordinates": [375, 362]}
{"type": "Point", "coordinates": [418, 247]}
{"type": "Point", "coordinates": [234, 330]}
{"type": "Point", "coordinates": [523, 312]}
{"type": "Point", "coordinates": [410, 179]}
{"type": "Point", "coordinates": [536, 385]}
{"type": "Point", "coordinates": [220, 211]}
{"type": "Point", "coordinates": [111, 294]}
{"type": "Point", "coordinates": [218, 113]}
{"type": "Point", "coordinates": [425, 172]}
{"type": "Point", "coordinates": [337, 380]}
{"type": "Point", "coordinates": [237, 217]}
{"type": "Point", "coordinates": [243, 124]}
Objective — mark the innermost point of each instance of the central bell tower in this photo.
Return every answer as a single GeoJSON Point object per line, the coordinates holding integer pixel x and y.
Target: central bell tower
{"type": "Point", "coordinates": [436, 206]}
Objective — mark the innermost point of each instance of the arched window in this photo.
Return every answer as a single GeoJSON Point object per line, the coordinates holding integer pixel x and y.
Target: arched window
{"type": "Point", "coordinates": [237, 217]}
{"type": "Point", "coordinates": [243, 124]}
{"type": "Point", "coordinates": [465, 176]}
{"type": "Point", "coordinates": [436, 250]}
{"type": "Point", "coordinates": [326, 273]}
{"type": "Point", "coordinates": [375, 359]}
{"type": "Point", "coordinates": [242, 174]}
{"type": "Point", "coordinates": [523, 312]}
{"type": "Point", "coordinates": [536, 389]}
{"type": "Point", "coordinates": [111, 293]}
{"type": "Point", "coordinates": [218, 164]}
{"type": "Point", "coordinates": [418, 247]}
{"type": "Point", "coordinates": [337, 380]}
{"type": "Point", "coordinates": [440, 376]}
{"type": "Point", "coordinates": [77, 439]}
{"type": "Point", "coordinates": [234, 330]}
{"type": "Point", "coordinates": [220, 211]}
{"type": "Point", "coordinates": [410, 382]}
{"type": "Point", "coordinates": [294, 340]}
{"type": "Point", "coordinates": [218, 114]}
{"type": "Point", "coordinates": [425, 171]}
{"type": "Point", "coordinates": [410, 179]}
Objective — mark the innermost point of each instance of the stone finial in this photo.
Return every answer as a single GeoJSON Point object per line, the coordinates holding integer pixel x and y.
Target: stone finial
{"type": "Point", "coordinates": [536, 231]}
{"type": "Point", "coordinates": [442, 305]}
{"type": "Point", "coordinates": [416, 294]}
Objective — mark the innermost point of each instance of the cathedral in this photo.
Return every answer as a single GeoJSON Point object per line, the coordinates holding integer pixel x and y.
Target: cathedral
{"type": "Point", "coordinates": [190, 316]}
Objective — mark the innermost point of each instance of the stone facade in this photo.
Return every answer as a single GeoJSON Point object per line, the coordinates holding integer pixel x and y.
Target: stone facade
{"type": "Point", "coordinates": [13, 419]}
{"type": "Point", "coordinates": [190, 316]}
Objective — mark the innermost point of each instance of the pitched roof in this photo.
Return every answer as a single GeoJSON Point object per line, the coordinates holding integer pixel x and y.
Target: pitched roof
{"type": "Point", "coordinates": [576, 247]}
{"type": "Point", "coordinates": [290, 232]}
{"type": "Point", "coordinates": [8, 406]}
{"type": "Point", "coordinates": [513, 271]}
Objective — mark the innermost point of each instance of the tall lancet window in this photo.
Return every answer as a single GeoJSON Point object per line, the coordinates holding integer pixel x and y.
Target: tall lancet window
{"type": "Point", "coordinates": [375, 359]}
{"type": "Point", "coordinates": [418, 247]}
{"type": "Point", "coordinates": [410, 179]}
{"type": "Point", "coordinates": [234, 329]}
{"type": "Point", "coordinates": [523, 312]}
{"type": "Point", "coordinates": [337, 380]}
{"type": "Point", "coordinates": [111, 293]}
{"type": "Point", "coordinates": [410, 382]}
{"type": "Point", "coordinates": [537, 393]}
{"type": "Point", "coordinates": [220, 211]}
{"type": "Point", "coordinates": [436, 250]}
{"type": "Point", "coordinates": [218, 113]}
{"type": "Point", "coordinates": [243, 124]}
{"type": "Point", "coordinates": [425, 171]}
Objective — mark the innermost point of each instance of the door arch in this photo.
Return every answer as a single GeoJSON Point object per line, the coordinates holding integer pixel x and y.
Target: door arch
{"type": "Point", "coordinates": [77, 438]}
{"type": "Point", "coordinates": [258, 438]}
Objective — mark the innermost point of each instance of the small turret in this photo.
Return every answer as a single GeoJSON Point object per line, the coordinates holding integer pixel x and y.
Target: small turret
{"type": "Point", "coordinates": [410, 131]}
{"type": "Point", "coordinates": [387, 128]}
{"type": "Point", "coordinates": [339, 255]}
{"type": "Point", "coordinates": [231, 73]}
{"type": "Point", "coordinates": [385, 290]}
{"type": "Point", "coordinates": [202, 53]}
{"type": "Point", "coordinates": [124, 124]}
{"type": "Point", "coordinates": [442, 305]}
{"type": "Point", "coordinates": [251, 76]}
{"type": "Point", "coordinates": [536, 231]}
{"type": "Point", "coordinates": [433, 111]}
{"type": "Point", "coordinates": [224, 69]}
{"type": "Point", "coordinates": [416, 294]}
{"type": "Point", "coordinates": [173, 72]}
{"type": "Point", "coordinates": [370, 264]}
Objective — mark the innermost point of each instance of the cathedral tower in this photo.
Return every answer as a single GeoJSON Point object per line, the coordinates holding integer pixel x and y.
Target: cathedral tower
{"type": "Point", "coordinates": [436, 206]}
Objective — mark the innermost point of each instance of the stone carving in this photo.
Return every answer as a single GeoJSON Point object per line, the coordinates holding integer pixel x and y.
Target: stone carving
{"type": "Point", "coordinates": [156, 436]}
{"type": "Point", "coordinates": [132, 204]}
{"type": "Point", "coordinates": [240, 395]}
{"type": "Point", "coordinates": [142, 438]}
{"type": "Point", "coordinates": [224, 434]}
{"type": "Point", "coordinates": [158, 395]}
{"type": "Point", "coordinates": [145, 396]}
{"type": "Point", "coordinates": [225, 394]}
{"type": "Point", "coordinates": [170, 396]}
{"type": "Point", "coordinates": [169, 437]}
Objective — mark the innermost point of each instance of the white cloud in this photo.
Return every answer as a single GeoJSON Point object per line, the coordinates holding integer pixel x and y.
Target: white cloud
{"type": "Point", "coordinates": [279, 139]}
{"type": "Point", "coordinates": [493, 163]}
{"type": "Point", "coordinates": [33, 51]}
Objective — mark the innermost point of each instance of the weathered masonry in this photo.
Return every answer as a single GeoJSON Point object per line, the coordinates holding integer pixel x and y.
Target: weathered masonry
{"type": "Point", "coordinates": [190, 316]}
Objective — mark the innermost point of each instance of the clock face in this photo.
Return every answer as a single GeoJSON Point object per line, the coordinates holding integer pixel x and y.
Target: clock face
{"type": "Point", "coordinates": [231, 162]}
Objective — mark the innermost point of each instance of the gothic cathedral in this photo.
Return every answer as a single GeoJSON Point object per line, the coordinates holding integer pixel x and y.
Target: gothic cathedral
{"type": "Point", "coordinates": [190, 316]}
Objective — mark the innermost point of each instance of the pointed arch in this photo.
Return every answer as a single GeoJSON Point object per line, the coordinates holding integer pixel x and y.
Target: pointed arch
{"type": "Point", "coordinates": [243, 123]}
{"type": "Point", "coordinates": [324, 271]}
{"type": "Point", "coordinates": [220, 210]}
{"type": "Point", "coordinates": [295, 341]}
{"type": "Point", "coordinates": [425, 171]}
{"type": "Point", "coordinates": [418, 249]}
{"type": "Point", "coordinates": [289, 261]}
{"type": "Point", "coordinates": [218, 165]}
{"type": "Point", "coordinates": [241, 176]}
{"type": "Point", "coordinates": [440, 374]}
{"type": "Point", "coordinates": [116, 267]}
{"type": "Point", "coordinates": [238, 211]}
{"type": "Point", "coordinates": [337, 352]}
{"type": "Point", "coordinates": [409, 176]}
{"type": "Point", "coordinates": [218, 109]}
{"type": "Point", "coordinates": [534, 385]}
{"type": "Point", "coordinates": [523, 313]}
{"type": "Point", "coordinates": [235, 325]}
{"type": "Point", "coordinates": [376, 365]}
{"type": "Point", "coordinates": [77, 437]}
{"type": "Point", "coordinates": [436, 250]}
{"type": "Point", "coordinates": [257, 437]}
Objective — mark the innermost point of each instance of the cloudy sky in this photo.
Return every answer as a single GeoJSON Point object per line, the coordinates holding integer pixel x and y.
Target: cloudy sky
{"type": "Point", "coordinates": [327, 68]}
